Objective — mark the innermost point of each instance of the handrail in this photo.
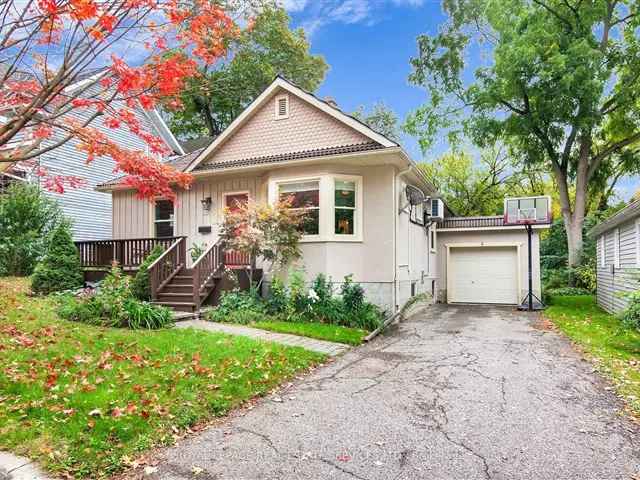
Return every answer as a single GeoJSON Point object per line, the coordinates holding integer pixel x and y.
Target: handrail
{"type": "Point", "coordinates": [205, 267]}
{"type": "Point", "coordinates": [129, 252]}
{"type": "Point", "coordinates": [167, 265]}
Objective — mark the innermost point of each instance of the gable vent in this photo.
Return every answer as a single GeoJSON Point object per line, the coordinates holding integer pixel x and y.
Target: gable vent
{"type": "Point", "coordinates": [282, 107]}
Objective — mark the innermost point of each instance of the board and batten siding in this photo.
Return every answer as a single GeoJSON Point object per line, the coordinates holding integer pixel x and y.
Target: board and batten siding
{"type": "Point", "coordinates": [132, 217]}
{"type": "Point", "coordinates": [614, 279]}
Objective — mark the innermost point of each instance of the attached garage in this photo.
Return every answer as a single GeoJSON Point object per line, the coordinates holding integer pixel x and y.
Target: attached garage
{"type": "Point", "coordinates": [483, 274]}
{"type": "Point", "coordinates": [481, 260]}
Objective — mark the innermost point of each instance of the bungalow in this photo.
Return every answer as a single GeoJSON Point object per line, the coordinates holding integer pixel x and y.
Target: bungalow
{"type": "Point", "coordinates": [618, 257]}
{"type": "Point", "coordinates": [359, 189]}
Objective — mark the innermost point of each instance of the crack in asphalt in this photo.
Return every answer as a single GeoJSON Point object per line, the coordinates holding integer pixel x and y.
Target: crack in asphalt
{"type": "Point", "coordinates": [342, 469]}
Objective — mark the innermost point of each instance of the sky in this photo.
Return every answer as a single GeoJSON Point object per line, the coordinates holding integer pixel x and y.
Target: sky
{"type": "Point", "coordinates": [368, 45]}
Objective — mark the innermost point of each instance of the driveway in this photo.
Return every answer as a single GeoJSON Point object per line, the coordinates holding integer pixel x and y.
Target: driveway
{"type": "Point", "coordinates": [452, 393]}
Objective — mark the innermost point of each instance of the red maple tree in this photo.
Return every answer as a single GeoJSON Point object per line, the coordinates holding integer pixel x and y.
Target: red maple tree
{"type": "Point", "coordinates": [49, 96]}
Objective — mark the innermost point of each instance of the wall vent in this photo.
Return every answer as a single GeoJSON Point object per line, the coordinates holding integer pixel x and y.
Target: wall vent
{"type": "Point", "coordinates": [282, 107]}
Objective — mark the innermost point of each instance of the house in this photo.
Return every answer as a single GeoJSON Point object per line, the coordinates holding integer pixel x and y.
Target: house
{"type": "Point", "coordinates": [88, 208]}
{"type": "Point", "coordinates": [618, 257]}
{"type": "Point", "coordinates": [356, 186]}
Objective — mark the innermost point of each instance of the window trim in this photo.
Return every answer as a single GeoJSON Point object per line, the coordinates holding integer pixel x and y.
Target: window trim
{"type": "Point", "coordinates": [603, 250]}
{"type": "Point", "coordinates": [230, 193]}
{"type": "Point", "coordinates": [285, 97]}
{"type": "Point", "coordinates": [616, 248]}
{"type": "Point", "coordinates": [155, 221]}
{"type": "Point", "coordinates": [326, 225]}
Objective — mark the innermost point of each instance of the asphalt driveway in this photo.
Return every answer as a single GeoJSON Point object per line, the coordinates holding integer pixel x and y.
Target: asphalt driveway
{"type": "Point", "coordinates": [452, 393]}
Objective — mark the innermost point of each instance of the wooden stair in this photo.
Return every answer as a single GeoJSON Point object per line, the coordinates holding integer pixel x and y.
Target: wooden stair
{"type": "Point", "coordinates": [178, 293]}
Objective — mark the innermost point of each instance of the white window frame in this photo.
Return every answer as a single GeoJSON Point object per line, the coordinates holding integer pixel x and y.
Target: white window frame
{"type": "Point", "coordinates": [278, 116]}
{"type": "Point", "coordinates": [638, 242]}
{"type": "Point", "coordinates": [326, 225]}
{"type": "Point", "coordinates": [603, 250]}
{"type": "Point", "coordinates": [616, 248]}
{"type": "Point", "coordinates": [172, 219]}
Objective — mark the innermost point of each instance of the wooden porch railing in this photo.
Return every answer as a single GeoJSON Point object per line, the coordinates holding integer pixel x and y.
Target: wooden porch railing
{"type": "Point", "coordinates": [212, 261]}
{"type": "Point", "coordinates": [167, 266]}
{"type": "Point", "coordinates": [129, 253]}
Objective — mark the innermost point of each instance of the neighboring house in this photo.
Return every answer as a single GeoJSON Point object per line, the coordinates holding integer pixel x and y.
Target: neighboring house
{"type": "Point", "coordinates": [618, 257]}
{"type": "Point", "coordinates": [352, 181]}
{"type": "Point", "coordinates": [89, 209]}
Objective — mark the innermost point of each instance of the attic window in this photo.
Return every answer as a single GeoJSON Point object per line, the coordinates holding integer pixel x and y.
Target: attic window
{"type": "Point", "coordinates": [282, 107]}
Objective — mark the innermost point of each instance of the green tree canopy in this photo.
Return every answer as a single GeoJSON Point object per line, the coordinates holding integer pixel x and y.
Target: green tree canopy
{"type": "Point", "coordinates": [561, 87]}
{"type": "Point", "coordinates": [269, 48]}
{"type": "Point", "coordinates": [472, 188]}
{"type": "Point", "coordinates": [381, 119]}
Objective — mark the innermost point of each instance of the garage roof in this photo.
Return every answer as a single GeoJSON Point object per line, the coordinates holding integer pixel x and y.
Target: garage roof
{"type": "Point", "coordinates": [627, 213]}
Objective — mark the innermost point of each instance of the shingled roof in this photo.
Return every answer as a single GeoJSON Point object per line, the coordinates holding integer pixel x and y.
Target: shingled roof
{"type": "Point", "coordinates": [285, 157]}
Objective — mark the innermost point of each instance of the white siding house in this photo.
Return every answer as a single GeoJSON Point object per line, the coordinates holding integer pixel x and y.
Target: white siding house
{"type": "Point", "coordinates": [618, 252]}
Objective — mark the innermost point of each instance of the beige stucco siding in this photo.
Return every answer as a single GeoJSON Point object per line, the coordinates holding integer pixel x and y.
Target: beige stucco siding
{"type": "Point", "coordinates": [132, 217]}
{"type": "Point", "coordinates": [516, 237]}
{"type": "Point", "coordinates": [306, 128]}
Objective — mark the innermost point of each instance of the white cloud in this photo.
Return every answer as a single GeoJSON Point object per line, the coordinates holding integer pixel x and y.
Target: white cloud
{"type": "Point", "coordinates": [351, 11]}
{"type": "Point", "coordinates": [294, 5]}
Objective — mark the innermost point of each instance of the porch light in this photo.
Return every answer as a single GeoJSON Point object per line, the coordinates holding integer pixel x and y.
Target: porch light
{"type": "Point", "coordinates": [206, 204]}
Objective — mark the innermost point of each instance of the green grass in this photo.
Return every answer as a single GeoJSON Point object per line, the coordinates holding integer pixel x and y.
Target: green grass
{"type": "Point", "coordinates": [321, 331]}
{"type": "Point", "coordinates": [85, 401]}
{"type": "Point", "coordinates": [614, 349]}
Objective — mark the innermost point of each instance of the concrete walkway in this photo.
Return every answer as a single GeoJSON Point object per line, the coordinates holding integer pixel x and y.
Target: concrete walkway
{"type": "Point", "coordinates": [451, 393]}
{"type": "Point", "coordinates": [329, 348]}
{"type": "Point", "coordinates": [13, 467]}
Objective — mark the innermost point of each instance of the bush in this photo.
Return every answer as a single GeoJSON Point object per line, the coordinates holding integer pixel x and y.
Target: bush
{"type": "Point", "coordinates": [114, 305]}
{"type": "Point", "coordinates": [630, 317]}
{"type": "Point", "coordinates": [352, 295]}
{"type": "Point", "coordinates": [60, 269]}
{"type": "Point", "coordinates": [567, 292]}
{"type": "Point", "coordinates": [141, 285]}
{"type": "Point", "coordinates": [298, 294]}
{"type": "Point", "coordinates": [278, 298]}
{"type": "Point", "coordinates": [27, 218]}
{"type": "Point", "coordinates": [237, 307]}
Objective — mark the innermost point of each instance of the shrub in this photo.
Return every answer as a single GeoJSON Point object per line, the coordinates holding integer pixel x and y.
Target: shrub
{"type": "Point", "coordinates": [567, 292]}
{"type": "Point", "coordinates": [60, 269]}
{"type": "Point", "coordinates": [114, 306]}
{"type": "Point", "coordinates": [27, 218]}
{"type": "Point", "coordinates": [237, 307]}
{"type": "Point", "coordinates": [141, 285]}
{"type": "Point", "coordinates": [298, 295]}
{"type": "Point", "coordinates": [630, 317]}
{"type": "Point", "coordinates": [278, 299]}
{"type": "Point", "coordinates": [352, 294]}
{"type": "Point", "coordinates": [143, 315]}
{"type": "Point", "coordinates": [197, 250]}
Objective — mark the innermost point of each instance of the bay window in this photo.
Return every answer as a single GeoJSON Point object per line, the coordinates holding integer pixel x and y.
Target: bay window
{"type": "Point", "coordinates": [332, 205]}
{"type": "Point", "coordinates": [304, 197]}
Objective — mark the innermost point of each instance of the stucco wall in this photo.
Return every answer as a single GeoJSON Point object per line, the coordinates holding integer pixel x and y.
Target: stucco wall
{"type": "Point", "coordinates": [518, 236]}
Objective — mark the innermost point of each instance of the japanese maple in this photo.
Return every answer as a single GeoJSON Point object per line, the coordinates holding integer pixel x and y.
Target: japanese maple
{"type": "Point", "coordinates": [51, 92]}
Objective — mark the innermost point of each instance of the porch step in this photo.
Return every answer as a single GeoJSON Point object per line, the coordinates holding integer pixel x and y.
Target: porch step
{"type": "Point", "coordinates": [183, 278]}
{"type": "Point", "coordinates": [176, 297]}
{"type": "Point", "coordinates": [177, 288]}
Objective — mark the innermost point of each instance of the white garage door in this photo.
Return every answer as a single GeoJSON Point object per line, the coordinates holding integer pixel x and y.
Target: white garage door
{"type": "Point", "coordinates": [483, 275]}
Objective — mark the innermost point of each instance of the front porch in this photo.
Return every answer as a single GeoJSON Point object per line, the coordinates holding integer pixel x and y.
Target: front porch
{"type": "Point", "coordinates": [174, 283]}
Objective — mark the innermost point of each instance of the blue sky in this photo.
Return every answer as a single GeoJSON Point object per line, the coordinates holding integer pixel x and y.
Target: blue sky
{"type": "Point", "coordinates": [368, 44]}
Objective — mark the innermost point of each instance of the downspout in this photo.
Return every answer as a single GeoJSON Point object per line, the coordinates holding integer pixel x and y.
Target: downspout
{"type": "Point", "coordinates": [395, 234]}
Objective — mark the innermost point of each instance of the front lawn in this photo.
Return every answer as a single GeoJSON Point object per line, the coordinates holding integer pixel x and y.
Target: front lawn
{"type": "Point", "coordinates": [84, 401]}
{"type": "Point", "coordinates": [615, 350]}
{"type": "Point", "coordinates": [321, 331]}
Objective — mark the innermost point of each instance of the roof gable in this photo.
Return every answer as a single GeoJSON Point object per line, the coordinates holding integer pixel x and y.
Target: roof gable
{"type": "Point", "coordinates": [310, 124]}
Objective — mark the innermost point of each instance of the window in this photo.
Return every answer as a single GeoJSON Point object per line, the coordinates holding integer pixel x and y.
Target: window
{"type": "Point", "coordinates": [616, 248]}
{"type": "Point", "coordinates": [332, 203]}
{"type": "Point", "coordinates": [432, 239]}
{"type": "Point", "coordinates": [282, 107]}
{"type": "Point", "coordinates": [164, 218]}
{"type": "Point", "coordinates": [344, 207]}
{"type": "Point", "coordinates": [603, 258]}
{"type": "Point", "coordinates": [304, 196]}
